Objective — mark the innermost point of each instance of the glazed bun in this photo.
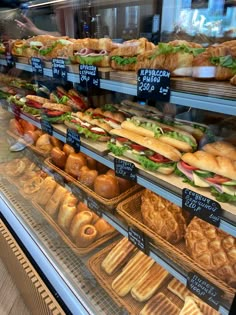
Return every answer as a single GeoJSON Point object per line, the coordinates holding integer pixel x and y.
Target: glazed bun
{"type": "Point", "coordinates": [87, 176]}
{"type": "Point", "coordinates": [92, 164]}
{"type": "Point", "coordinates": [43, 143]}
{"type": "Point", "coordinates": [106, 186]}
{"type": "Point", "coordinates": [68, 149]}
{"type": "Point", "coordinates": [102, 169]}
{"type": "Point", "coordinates": [58, 157]}
{"type": "Point", "coordinates": [124, 184]}
{"type": "Point", "coordinates": [74, 163]}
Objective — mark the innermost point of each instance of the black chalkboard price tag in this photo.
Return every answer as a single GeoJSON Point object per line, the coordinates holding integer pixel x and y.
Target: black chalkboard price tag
{"type": "Point", "coordinates": [10, 60]}
{"type": "Point", "coordinates": [46, 126]}
{"type": "Point", "coordinates": [201, 206]}
{"type": "Point", "coordinates": [125, 169]}
{"type": "Point", "coordinates": [59, 70]}
{"type": "Point", "coordinates": [154, 84]}
{"type": "Point", "coordinates": [88, 75]}
{"type": "Point", "coordinates": [76, 191]}
{"type": "Point", "coordinates": [204, 289]}
{"type": "Point", "coordinates": [37, 65]}
{"type": "Point", "coordinates": [59, 179]}
{"type": "Point", "coordinates": [73, 139]}
{"type": "Point", "coordinates": [95, 206]}
{"type": "Point", "coordinates": [139, 239]}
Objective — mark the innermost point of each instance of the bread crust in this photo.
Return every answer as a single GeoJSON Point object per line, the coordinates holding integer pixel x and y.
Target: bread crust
{"type": "Point", "coordinates": [81, 218]}
{"type": "Point", "coordinates": [56, 106]}
{"type": "Point", "coordinates": [206, 161]}
{"type": "Point", "coordinates": [46, 190]}
{"type": "Point", "coordinates": [36, 98]}
{"type": "Point", "coordinates": [153, 144]}
{"type": "Point", "coordinates": [86, 236]}
{"type": "Point", "coordinates": [221, 148]}
{"type": "Point", "coordinates": [54, 202]}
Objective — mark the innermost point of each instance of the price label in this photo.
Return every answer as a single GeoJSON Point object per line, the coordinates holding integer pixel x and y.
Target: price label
{"type": "Point", "coordinates": [59, 70]}
{"type": "Point", "coordinates": [73, 139]}
{"type": "Point", "coordinates": [88, 76]}
{"type": "Point", "coordinates": [125, 169]}
{"type": "Point", "coordinates": [46, 127]}
{"type": "Point", "coordinates": [10, 60]}
{"type": "Point", "coordinates": [37, 65]}
{"type": "Point", "coordinates": [154, 84]}
{"type": "Point", "coordinates": [204, 289]}
{"type": "Point", "coordinates": [201, 206]}
{"type": "Point", "coordinates": [59, 179]}
{"type": "Point", "coordinates": [16, 110]}
{"type": "Point", "coordinates": [139, 239]}
{"type": "Point", "coordinates": [95, 206]}
{"type": "Point", "coordinates": [77, 192]}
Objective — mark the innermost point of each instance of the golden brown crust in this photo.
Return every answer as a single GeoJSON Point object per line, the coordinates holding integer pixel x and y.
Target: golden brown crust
{"type": "Point", "coordinates": [86, 236]}
{"type": "Point", "coordinates": [190, 307]}
{"type": "Point", "coordinates": [46, 190]}
{"type": "Point", "coordinates": [74, 163]}
{"type": "Point", "coordinates": [150, 143]}
{"type": "Point", "coordinates": [103, 228]}
{"type": "Point", "coordinates": [57, 106]}
{"type": "Point", "coordinates": [81, 218]}
{"type": "Point", "coordinates": [233, 80]}
{"type": "Point", "coordinates": [55, 200]}
{"type": "Point", "coordinates": [217, 164]}
{"type": "Point", "coordinates": [67, 212]}
{"type": "Point", "coordinates": [132, 48]}
{"type": "Point", "coordinates": [221, 148]}
{"type": "Point", "coordinates": [37, 99]}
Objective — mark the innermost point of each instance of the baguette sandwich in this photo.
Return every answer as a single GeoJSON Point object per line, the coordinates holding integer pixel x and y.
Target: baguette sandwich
{"type": "Point", "coordinates": [151, 153]}
{"type": "Point", "coordinates": [176, 56]}
{"type": "Point", "coordinates": [181, 140]}
{"type": "Point", "coordinates": [114, 119]}
{"type": "Point", "coordinates": [124, 57]}
{"type": "Point", "coordinates": [92, 51]}
{"type": "Point", "coordinates": [55, 113]}
{"type": "Point", "coordinates": [202, 169]}
{"type": "Point", "coordinates": [33, 104]}
{"type": "Point", "coordinates": [221, 148]}
{"type": "Point", "coordinates": [93, 129]}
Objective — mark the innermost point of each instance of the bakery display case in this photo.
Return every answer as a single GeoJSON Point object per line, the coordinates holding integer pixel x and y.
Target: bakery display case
{"type": "Point", "coordinates": [118, 152]}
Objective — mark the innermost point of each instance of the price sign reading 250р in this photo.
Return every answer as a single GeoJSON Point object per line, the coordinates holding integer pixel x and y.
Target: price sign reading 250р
{"type": "Point", "coordinates": [154, 84]}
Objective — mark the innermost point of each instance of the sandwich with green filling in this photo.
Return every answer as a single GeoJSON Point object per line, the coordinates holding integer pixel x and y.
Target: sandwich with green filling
{"type": "Point", "coordinates": [177, 138]}
{"type": "Point", "coordinates": [152, 154]}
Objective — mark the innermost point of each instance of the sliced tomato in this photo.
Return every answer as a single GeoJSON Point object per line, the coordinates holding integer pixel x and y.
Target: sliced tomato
{"type": "Point", "coordinates": [188, 167]}
{"type": "Point", "coordinates": [54, 113]}
{"type": "Point", "coordinates": [218, 179]}
{"type": "Point", "coordinates": [97, 115]}
{"type": "Point", "coordinates": [78, 101]}
{"type": "Point", "coordinates": [158, 158]}
{"type": "Point", "coordinates": [33, 104]}
{"type": "Point", "coordinates": [122, 140]}
{"type": "Point", "coordinates": [137, 147]}
{"type": "Point", "coordinates": [111, 119]}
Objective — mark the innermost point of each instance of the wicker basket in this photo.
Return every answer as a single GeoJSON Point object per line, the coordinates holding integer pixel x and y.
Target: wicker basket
{"type": "Point", "coordinates": [109, 204]}
{"type": "Point", "coordinates": [129, 209]}
{"type": "Point", "coordinates": [128, 302]}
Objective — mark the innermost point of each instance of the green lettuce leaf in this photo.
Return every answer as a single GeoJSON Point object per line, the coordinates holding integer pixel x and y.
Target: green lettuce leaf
{"type": "Point", "coordinates": [87, 60]}
{"type": "Point", "coordinates": [185, 178]}
{"type": "Point", "coordinates": [115, 149]}
{"type": "Point", "coordinates": [31, 110]}
{"type": "Point", "coordinates": [224, 61]}
{"type": "Point", "coordinates": [124, 60]}
{"type": "Point", "coordinates": [152, 166]}
{"type": "Point", "coordinates": [56, 119]}
{"type": "Point", "coordinates": [222, 197]}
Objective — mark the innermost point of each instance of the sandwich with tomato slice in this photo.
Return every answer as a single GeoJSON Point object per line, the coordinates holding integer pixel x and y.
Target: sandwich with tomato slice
{"type": "Point", "coordinates": [177, 138]}
{"type": "Point", "coordinates": [55, 113]}
{"type": "Point", "coordinates": [112, 118]}
{"type": "Point", "coordinates": [203, 169]}
{"type": "Point", "coordinates": [33, 104]}
{"type": "Point", "coordinates": [71, 98]}
{"type": "Point", "coordinates": [94, 129]}
{"type": "Point", "coordinates": [151, 153]}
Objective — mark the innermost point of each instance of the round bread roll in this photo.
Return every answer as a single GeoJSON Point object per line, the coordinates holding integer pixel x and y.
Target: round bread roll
{"type": "Point", "coordinates": [86, 236]}
{"type": "Point", "coordinates": [58, 157]}
{"type": "Point", "coordinates": [43, 143]}
{"type": "Point", "coordinates": [102, 169]}
{"type": "Point", "coordinates": [87, 176]}
{"type": "Point", "coordinates": [124, 184]}
{"type": "Point", "coordinates": [32, 136]}
{"type": "Point", "coordinates": [92, 164]}
{"type": "Point", "coordinates": [81, 218]}
{"type": "Point", "coordinates": [56, 142]}
{"type": "Point", "coordinates": [68, 149]}
{"type": "Point", "coordinates": [106, 186]}
{"type": "Point", "coordinates": [74, 163]}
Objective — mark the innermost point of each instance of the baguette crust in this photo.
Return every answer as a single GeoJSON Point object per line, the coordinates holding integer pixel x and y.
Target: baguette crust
{"type": "Point", "coordinates": [221, 148]}
{"type": "Point", "coordinates": [178, 144]}
{"type": "Point", "coordinates": [118, 256]}
{"type": "Point", "coordinates": [150, 143]}
{"type": "Point", "coordinates": [159, 305]}
{"type": "Point", "coordinates": [56, 106]}
{"type": "Point", "coordinates": [36, 98]}
{"type": "Point", "coordinates": [151, 281]}
{"type": "Point", "coordinates": [217, 164]}
{"type": "Point", "coordinates": [131, 273]}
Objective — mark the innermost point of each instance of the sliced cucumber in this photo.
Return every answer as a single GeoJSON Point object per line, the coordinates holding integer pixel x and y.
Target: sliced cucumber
{"type": "Point", "coordinates": [204, 174]}
{"type": "Point", "coordinates": [230, 183]}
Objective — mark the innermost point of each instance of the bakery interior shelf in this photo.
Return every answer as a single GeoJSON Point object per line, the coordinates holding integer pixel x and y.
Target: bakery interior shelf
{"type": "Point", "coordinates": [157, 184]}
{"type": "Point", "coordinates": [215, 96]}
{"type": "Point", "coordinates": [33, 222]}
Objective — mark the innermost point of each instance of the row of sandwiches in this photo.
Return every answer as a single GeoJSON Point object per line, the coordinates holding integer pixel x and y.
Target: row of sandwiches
{"type": "Point", "coordinates": [131, 272]}
{"type": "Point", "coordinates": [180, 57]}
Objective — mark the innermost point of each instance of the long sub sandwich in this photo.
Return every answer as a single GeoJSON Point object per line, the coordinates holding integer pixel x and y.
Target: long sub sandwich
{"type": "Point", "coordinates": [175, 137]}
{"type": "Point", "coordinates": [203, 169]}
{"type": "Point", "coordinates": [151, 153]}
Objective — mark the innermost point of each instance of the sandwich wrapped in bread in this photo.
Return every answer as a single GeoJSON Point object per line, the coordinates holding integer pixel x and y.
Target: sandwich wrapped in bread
{"type": "Point", "coordinates": [33, 104]}
{"type": "Point", "coordinates": [204, 169]}
{"type": "Point", "coordinates": [55, 113]}
{"type": "Point", "coordinates": [181, 140]}
{"type": "Point", "coordinates": [221, 148]}
{"type": "Point", "coordinates": [151, 153]}
{"type": "Point", "coordinates": [124, 57]}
